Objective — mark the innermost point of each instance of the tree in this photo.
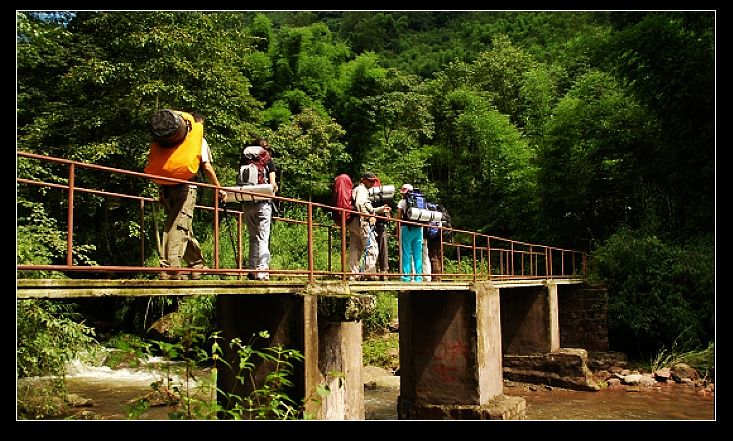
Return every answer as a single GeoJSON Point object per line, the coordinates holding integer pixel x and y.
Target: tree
{"type": "Point", "coordinates": [588, 164]}
{"type": "Point", "coordinates": [668, 60]}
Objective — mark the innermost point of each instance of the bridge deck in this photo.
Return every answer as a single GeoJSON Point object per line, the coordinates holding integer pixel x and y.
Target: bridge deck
{"type": "Point", "coordinates": [76, 288]}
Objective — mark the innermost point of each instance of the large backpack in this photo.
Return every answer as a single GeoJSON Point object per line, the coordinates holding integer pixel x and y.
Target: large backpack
{"type": "Point", "coordinates": [432, 228]}
{"type": "Point", "coordinates": [253, 166]}
{"type": "Point", "coordinates": [180, 161]}
{"type": "Point", "coordinates": [342, 197]}
{"type": "Point", "coordinates": [413, 199]}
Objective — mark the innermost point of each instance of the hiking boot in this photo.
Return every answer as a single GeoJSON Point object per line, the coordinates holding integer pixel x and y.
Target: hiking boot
{"type": "Point", "coordinates": [196, 275]}
{"type": "Point", "coordinates": [251, 276]}
{"type": "Point", "coordinates": [172, 275]}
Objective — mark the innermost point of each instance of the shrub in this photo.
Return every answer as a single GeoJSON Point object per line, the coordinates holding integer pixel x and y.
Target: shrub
{"type": "Point", "coordinates": [659, 292]}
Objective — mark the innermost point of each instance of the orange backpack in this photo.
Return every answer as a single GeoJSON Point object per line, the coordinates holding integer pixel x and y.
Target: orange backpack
{"type": "Point", "coordinates": [179, 161]}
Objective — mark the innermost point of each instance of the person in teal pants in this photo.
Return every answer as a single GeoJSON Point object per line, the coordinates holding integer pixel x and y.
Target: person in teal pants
{"type": "Point", "coordinates": [411, 242]}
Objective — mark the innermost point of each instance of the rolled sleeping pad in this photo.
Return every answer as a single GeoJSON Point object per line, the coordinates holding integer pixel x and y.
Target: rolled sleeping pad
{"type": "Point", "coordinates": [423, 215]}
{"type": "Point", "coordinates": [262, 192]}
{"type": "Point", "coordinates": [384, 192]}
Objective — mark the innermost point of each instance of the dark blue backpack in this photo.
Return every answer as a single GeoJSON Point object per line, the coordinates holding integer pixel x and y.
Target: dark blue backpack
{"type": "Point", "coordinates": [413, 199]}
{"type": "Point", "coordinates": [432, 228]}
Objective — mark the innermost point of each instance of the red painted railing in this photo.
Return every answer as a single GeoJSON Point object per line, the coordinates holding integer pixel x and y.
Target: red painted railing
{"type": "Point", "coordinates": [468, 255]}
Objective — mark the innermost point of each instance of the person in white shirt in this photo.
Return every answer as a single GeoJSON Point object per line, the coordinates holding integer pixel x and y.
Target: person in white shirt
{"type": "Point", "coordinates": [361, 229]}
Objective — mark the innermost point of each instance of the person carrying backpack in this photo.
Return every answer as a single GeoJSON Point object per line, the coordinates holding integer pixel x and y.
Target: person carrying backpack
{"type": "Point", "coordinates": [435, 236]}
{"type": "Point", "coordinates": [410, 236]}
{"type": "Point", "coordinates": [178, 151]}
{"type": "Point", "coordinates": [361, 228]}
{"type": "Point", "coordinates": [256, 167]}
{"type": "Point", "coordinates": [381, 233]}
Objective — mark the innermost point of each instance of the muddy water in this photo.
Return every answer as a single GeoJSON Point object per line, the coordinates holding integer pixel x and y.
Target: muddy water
{"type": "Point", "coordinates": [112, 390]}
{"type": "Point", "coordinates": [668, 402]}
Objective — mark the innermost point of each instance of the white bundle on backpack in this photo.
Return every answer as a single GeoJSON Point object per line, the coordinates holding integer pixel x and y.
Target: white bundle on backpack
{"type": "Point", "coordinates": [423, 215]}
{"type": "Point", "coordinates": [263, 193]}
{"type": "Point", "coordinates": [383, 193]}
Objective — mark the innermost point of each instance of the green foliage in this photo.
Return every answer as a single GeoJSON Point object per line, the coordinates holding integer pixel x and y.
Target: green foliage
{"type": "Point", "coordinates": [380, 346]}
{"type": "Point", "coordinates": [590, 146]}
{"type": "Point", "coordinates": [659, 292]}
{"type": "Point", "coordinates": [703, 360]}
{"type": "Point", "coordinates": [192, 396]}
{"type": "Point", "coordinates": [381, 350]}
{"type": "Point", "coordinates": [48, 336]}
{"type": "Point", "coordinates": [385, 311]}
{"type": "Point", "coordinates": [41, 398]}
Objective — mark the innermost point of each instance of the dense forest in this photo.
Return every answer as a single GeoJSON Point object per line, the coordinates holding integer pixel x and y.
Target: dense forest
{"type": "Point", "coordinates": [585, 130]}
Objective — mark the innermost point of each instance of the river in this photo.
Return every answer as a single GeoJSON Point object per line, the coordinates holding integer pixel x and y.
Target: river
{"type": "Point", "coordinates": [110, 390]}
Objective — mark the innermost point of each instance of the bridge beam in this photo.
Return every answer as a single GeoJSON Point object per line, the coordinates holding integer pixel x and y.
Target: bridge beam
{"type": "Point", "coordinates": [452, 369]}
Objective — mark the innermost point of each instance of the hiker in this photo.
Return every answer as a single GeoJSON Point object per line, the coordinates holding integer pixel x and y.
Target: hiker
{"type": "Point", "coordinates": [362, 229]}
{"type": "Point", "coordinates": [434, 237]}
{"type": "Point", "coordinates": [178, 151]}
{"type": "Point", "coordinates": [256, 166]}
{"type": "Point", "coordinates": [411, 238]}
{"type": "Point", "coordinates": [382, 238]}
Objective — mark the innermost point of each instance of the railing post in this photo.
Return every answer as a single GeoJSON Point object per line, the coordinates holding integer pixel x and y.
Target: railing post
{"type": "Point", "coordinates": [512, 260]}
{"type": "Point", "coordinates": [216, 228]}
{"type": "Point", "coordinates": [142, 232]}
{"type": "Point", "coordinates": [70, 218]}
{"type": "Point", "coordinates": [488, 257]}
{"type": "Point", "coordinates": [562, 262]}
{"type": "Point", "coordinates": [343, 245]}
{"type": "Point", "coordinates": [531, 261]}
{"type": "Point", "coordinates": [473, 238]}
{"type": "Point", "coordinates": [441, 255]}
{"type": "Point", "coordinates": [239, 242]}
{"type": "Point", "coordinates": [310, 243]}
{"type": "Point", "coordinates": [330, 245]}
{"type": "Point", "coordinates": [584, 263]}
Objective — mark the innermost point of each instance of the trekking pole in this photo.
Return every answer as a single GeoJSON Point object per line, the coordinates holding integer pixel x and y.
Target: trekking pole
{"type": "Point", "coordinates": [231, 239]}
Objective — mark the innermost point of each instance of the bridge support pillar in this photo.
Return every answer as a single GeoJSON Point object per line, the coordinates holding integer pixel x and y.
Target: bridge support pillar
{"type": "Point", "coordinates": [530, 320]}
{"type": "Point", "coordinates": [340, 360]}
{"type": "Point", "coordinates": [323, 324]}
{"type": "Point", "coordinates": [290, 322]}
{"type": "Point", "coordinates": [450, 356]}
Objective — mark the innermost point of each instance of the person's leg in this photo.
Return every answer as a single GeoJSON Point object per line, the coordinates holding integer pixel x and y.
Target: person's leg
{"type": "Point", "coordinates": [371, 253]}
{"type": "Point", "coordinates": [425, 260]}
{"type": "Point", "coordinates": [192, 254]}
{"type": "Point", "coordinates": [357, 243]}
{"type": "Point", "coordinates": [383, 247]}
{"type": "Point", "coordinates": [175, 237]}
{"type": "Point", "coordinates": [406, 253]}
{"type": "Point", "coordinates": [249, 210]}
{"type": "Point", "coordinates": [417, 253]}
{"type": "Point", "coordinates": [436, 266]}
{"type": "Point", "coordinates": [264, 219]}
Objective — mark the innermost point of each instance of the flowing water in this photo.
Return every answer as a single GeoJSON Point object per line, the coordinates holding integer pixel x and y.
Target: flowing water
{"type": "Point", "coordinates": [112, 391]}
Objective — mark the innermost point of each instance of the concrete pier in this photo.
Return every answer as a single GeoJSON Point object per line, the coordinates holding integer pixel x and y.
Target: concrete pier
{"type": "Point", "coordinates": [324, 325]}
{"type": "Point", "coordinates": [452, 368]}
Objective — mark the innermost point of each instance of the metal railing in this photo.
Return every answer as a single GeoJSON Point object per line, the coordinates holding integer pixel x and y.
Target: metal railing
{"type": "Point", "coordinates": [467, 255]}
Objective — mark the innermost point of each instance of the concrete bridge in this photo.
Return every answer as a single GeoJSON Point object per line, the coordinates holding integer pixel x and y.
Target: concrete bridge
{"type": "Point", "coordinates": [507, 298]}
